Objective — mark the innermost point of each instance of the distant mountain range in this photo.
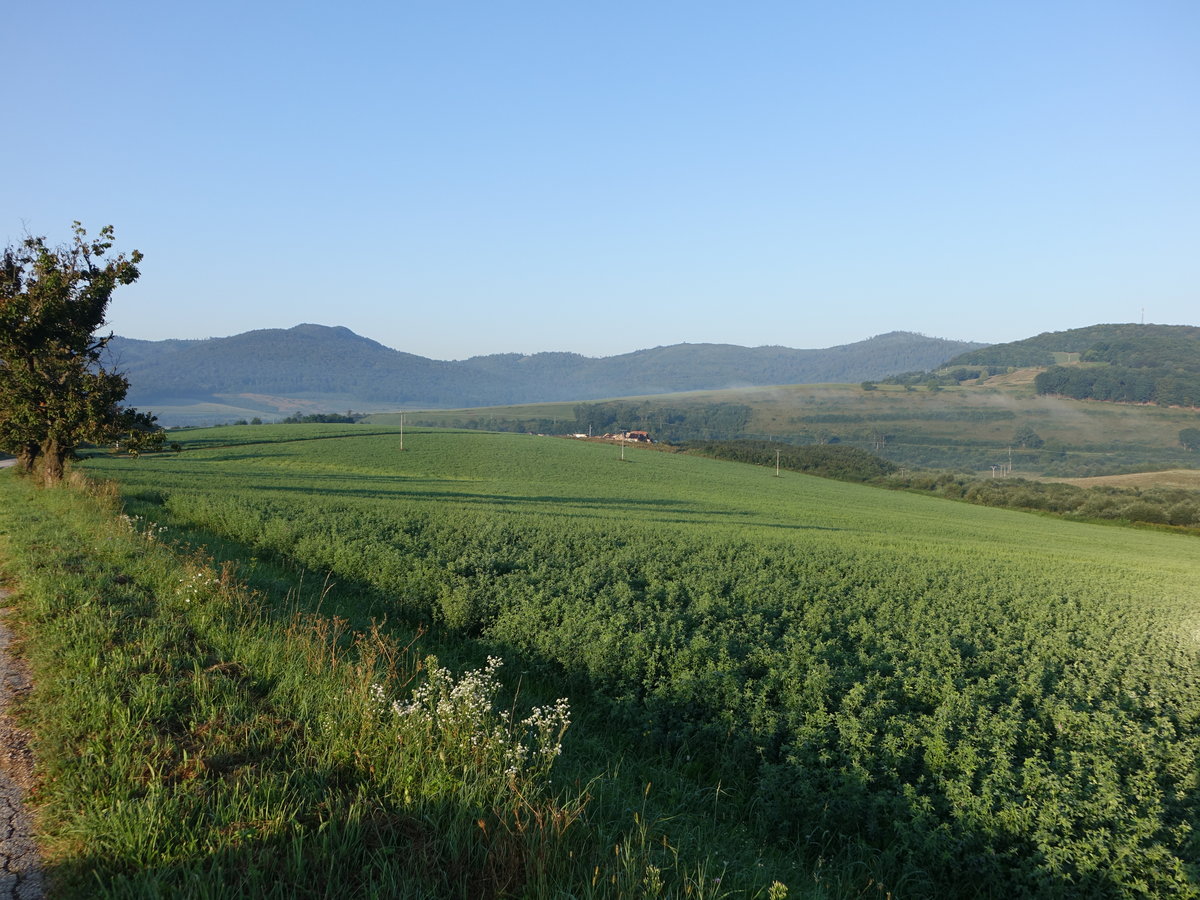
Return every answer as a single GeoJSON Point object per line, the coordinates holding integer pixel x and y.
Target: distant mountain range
{"type": "Point", "coordinates": [345, 370]}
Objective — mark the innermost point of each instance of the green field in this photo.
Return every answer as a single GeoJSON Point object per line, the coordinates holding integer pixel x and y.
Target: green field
{"type": "Point", "coordinates": [189, 413]}
{"type": "Point", "coordinates": [969, 427]}
{"type": "Point", "coordinates": [932, 696]}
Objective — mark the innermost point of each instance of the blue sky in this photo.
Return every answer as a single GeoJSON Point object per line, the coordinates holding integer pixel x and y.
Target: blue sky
{"type": "Point", "coordinates": [453, 179]}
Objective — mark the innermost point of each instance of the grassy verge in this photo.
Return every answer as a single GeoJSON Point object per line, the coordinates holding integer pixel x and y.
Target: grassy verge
{"type": "Point", "coordinates": [197, 738]}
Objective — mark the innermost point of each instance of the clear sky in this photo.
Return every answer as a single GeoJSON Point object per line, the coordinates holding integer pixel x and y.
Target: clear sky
{"type": "Point", "coordinates": [457, 178]}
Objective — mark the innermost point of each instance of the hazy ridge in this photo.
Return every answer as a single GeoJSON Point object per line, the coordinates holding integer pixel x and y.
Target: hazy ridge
{"type": "Point", "coordinates": [335, 363]}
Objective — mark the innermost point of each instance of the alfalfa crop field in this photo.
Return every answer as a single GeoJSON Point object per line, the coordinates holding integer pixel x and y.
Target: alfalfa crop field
{"type": "Point", "coordinates": [778, 686]}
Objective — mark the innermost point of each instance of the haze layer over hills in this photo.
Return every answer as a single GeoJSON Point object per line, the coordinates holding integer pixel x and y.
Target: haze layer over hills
{"type": "Point", "coordinates": [346, 370]}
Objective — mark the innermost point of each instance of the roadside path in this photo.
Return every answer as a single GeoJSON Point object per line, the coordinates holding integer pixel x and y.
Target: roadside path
{"type": "Point", "coordinates": [20, 867]}
{"type": "Point", "coordinates": [5, 463]}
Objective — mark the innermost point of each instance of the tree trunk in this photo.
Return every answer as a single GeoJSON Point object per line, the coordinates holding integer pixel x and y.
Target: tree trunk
{"type": "Point", "coordinates": [27, 455]}
{"type": "Point", "coordinates": [54, 458]}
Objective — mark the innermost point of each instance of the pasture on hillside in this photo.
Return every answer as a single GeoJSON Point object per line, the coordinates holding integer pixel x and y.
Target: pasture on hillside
{"type": "Point", "coordinates": [970, 426]}
{"type": "Point", "coordinates": [976, 701]}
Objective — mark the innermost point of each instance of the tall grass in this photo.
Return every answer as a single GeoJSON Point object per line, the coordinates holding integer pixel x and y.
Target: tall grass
{"type": "Point", "coordinates": [196, 738]}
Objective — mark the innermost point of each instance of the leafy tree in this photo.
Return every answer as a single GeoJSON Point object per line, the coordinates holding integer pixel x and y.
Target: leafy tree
{"type": "Point", "coordinates": [1025, 436]}
{"type": "Point", "coordinates": [1190, 438]}
{"type": "Point", "coordinates": [141, 433]}
{"type": "Point", "coordinates": [54, 392]}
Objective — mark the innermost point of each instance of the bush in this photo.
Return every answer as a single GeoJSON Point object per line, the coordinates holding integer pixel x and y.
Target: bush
{"type": "Point", "coordinates": [1184, 513]}
{"type": "Point", "coordinates": [1144, 511]}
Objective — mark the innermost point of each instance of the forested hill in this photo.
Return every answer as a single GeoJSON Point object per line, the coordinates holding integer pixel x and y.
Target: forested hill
{"type": "Point", "coordinates": [1123, 363]}
{"type": "Point", "coordinates": [1120, 344]}
{"type": "Point", "coordinates": [316, 360]}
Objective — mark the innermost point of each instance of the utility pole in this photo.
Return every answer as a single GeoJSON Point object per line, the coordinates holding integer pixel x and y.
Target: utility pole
{"type": "Point", "coordinates": [776, 463]}
{"type": "Point", "coordinates": [401, 431]}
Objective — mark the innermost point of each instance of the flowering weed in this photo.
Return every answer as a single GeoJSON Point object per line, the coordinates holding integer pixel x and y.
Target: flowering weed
{"type": "Point", "coordinates": [460, 717]}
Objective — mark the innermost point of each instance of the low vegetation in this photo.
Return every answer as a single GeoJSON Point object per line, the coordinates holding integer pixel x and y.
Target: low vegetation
{"type": "Point", "coordinates": [939, 699]}
{"type": "Point", "coordinates": [826, 461]}
{"type": "Point", "coordinates": [199, 738]}
{"type": "Point", "coordinates": [1178, 507]}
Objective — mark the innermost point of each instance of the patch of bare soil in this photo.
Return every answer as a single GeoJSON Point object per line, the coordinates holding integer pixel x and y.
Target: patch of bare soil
{"type": "Point", "coordinates": [1187, 479]}
{"type": "Point", "coordinates": [1019, 377]}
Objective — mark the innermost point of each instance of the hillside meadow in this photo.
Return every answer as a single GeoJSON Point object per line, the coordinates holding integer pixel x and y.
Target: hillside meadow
{"type": "Point", "coordinates": [883, 692]}
{"type": "Point", "coordinates": [971, 426]}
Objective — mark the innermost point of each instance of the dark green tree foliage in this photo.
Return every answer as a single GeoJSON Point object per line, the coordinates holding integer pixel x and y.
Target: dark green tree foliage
{"type": "Point", "coordinates": [962, 374]}
{"type": "Point", "coordinates": [935, 380]}
{"type": "Point", "coordinates": [1006, 355]}
{"type": "Point", "coordinates": [1026, 437]}
{"type": "Point", "coordinates": [1177, 347]}
{"type": "Point", "coordinates": [1121, 344]}
{"type": "Point", "coordinates": [1190, 438]}
{"type": "Point", "coordinates": [320, 418]}
{"type": "Point", "coordinates": [1122, 363]}
{"type": "Point", "coordinates": [1156, 506]}
{"type": "Point", "coordinates": [827, 461]}
{"type": "Point", "coordinates": [664, 422]}
{"type": "Point", "coordinates": [1121, 384]}
{"type": "Point", "coordinates": [54, 394]}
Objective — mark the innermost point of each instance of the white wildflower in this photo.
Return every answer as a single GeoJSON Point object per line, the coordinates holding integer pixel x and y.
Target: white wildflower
{"type": "Point", "coordinates": [460, 717]}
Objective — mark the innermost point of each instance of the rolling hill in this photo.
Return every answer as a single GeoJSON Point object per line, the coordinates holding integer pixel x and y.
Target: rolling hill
{"type": "Point", "coordinates": [1124, 363]}
{"type": "Point", "coordinates": [278, 371]}
{"type": "Point", "coordinates": [1155, 344]}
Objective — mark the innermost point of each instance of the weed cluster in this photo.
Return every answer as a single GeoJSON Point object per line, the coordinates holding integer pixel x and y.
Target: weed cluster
{"type": "Point", "coordinates": [459, 716]}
